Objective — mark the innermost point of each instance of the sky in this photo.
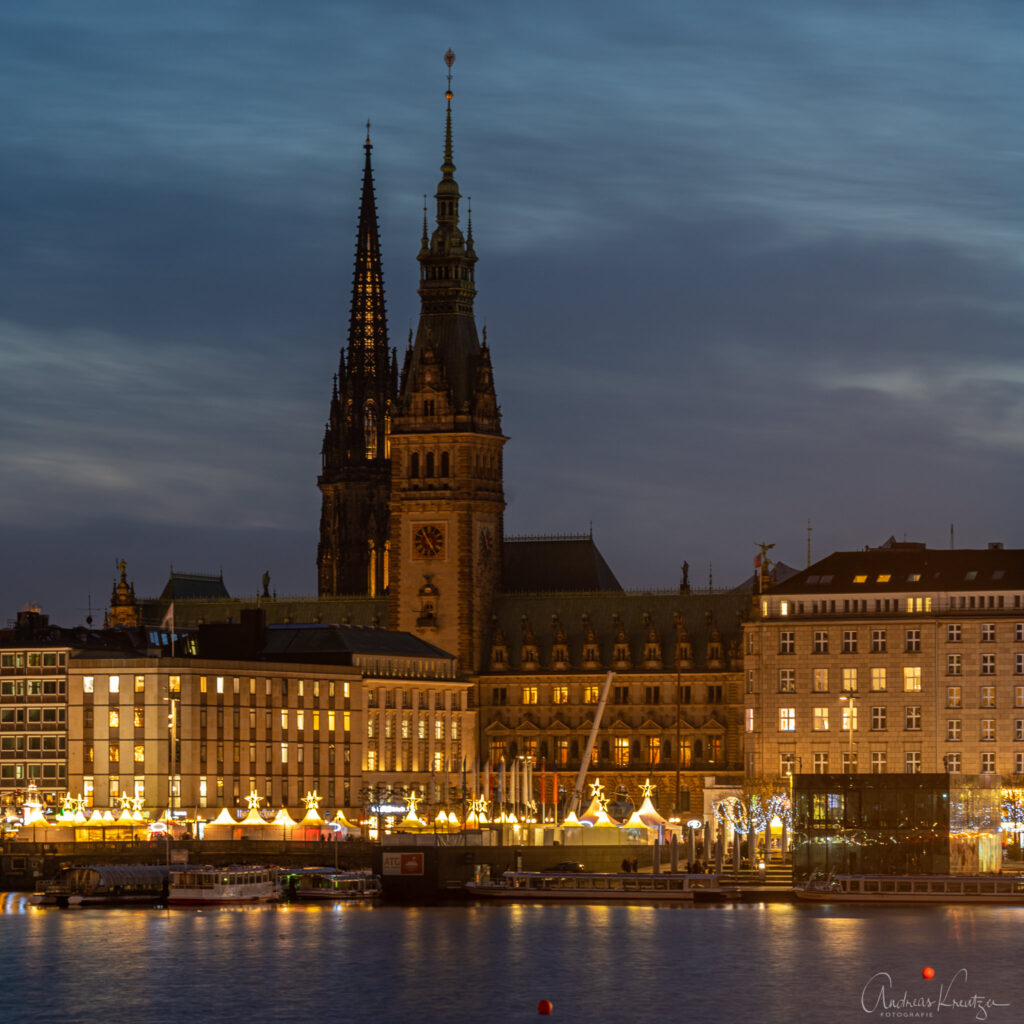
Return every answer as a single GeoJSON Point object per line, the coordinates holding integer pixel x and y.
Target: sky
{"type": "Point", "coordinates": [743, 266]}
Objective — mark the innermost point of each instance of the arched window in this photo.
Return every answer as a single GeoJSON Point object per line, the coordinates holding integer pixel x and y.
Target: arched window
{"type": "Point", "coordinates": [387, 432]}
{"type": "Point", "coordinates": [372, 574]}
{"type": "Point", "coordinates": [430, 464]}
{"type": "Point", "coordinates": [370, 430]}
{"type": "Point", "coordinates": [445, 464]}
{"type": "Point", "coordinates": [386, 582]}
{"type": "Point", "coordinates": [414, 464]}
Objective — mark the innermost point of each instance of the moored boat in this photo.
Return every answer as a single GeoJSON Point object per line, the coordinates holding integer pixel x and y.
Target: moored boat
{"type": "Point", "coordinates": [586, 887]}
{"type": "Point", "coordinates": [912, 889]}
{"type": "Point", "coordinates": [97, 884]}
{"type": "Point", "coordinates": [330, 884]}
{"type": "Point", "coordinates": [199, 886]}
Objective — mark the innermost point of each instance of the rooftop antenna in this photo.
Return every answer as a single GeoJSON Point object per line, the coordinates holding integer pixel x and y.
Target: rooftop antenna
{"type": "Point", "coordinates": [808, 543]}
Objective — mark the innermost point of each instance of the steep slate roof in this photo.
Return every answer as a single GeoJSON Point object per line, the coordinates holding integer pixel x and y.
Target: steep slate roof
{"type": "Point", "coordinates": [191, 586]}
{"type": "Point", "coordinates": [724, 607]}
{"type": "Point", "coordinates": [285, 642]}
{"type": "Point", "coordinates": [547, 564]}
{"type": "Point", "coordinates": [910, 567]}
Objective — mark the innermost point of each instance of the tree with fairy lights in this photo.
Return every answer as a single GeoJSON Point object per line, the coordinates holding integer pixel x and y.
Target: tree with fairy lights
{"type": "Point", "coordinates": [760, 800]}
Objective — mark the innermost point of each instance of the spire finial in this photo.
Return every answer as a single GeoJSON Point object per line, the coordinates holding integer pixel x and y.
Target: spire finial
{"type": "Point", "coordinates": [449, 59]}
{"type": "Point", "coordinates": [448, 166]}
{"type": "Point", "coordinates": [367, 143]}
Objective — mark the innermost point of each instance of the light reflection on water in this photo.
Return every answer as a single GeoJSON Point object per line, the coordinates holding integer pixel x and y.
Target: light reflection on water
{"type": "Point", "coordinates": [757, 963]}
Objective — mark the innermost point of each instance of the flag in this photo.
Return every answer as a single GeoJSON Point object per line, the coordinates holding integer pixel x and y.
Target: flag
{"type": "Point", "coordinates": [167, 622]}
{"type": "Point", "coordinates": [757, 561]}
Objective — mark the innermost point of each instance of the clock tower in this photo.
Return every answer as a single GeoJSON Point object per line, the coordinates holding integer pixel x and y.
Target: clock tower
{"type": "Point", "coordinates": [446, 447]}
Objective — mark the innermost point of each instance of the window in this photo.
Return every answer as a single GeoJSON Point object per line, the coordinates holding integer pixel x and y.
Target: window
{"type": "Point", "coordinates": [988, 730]}
{"type": "Point", "coordinates": [820, 762]}
{"type": "Point", "coordinates": [878, 679]}
{"type": "Point", "coordinates": [1018, 763]}
{"type": "Point", "coordinates": [751, 687]}
{"type": "Point", "coordinates": [953, 633]}
{"type": "Point", "coordinates": [787, 680]}
{"type": "Point", "coordinates": [114, 718]}
{"type": "Point", "coordinates": [140, 684]}
{"type": "Point", "coordinates": [849, 716]}
{"type": "Point", "coordinates": [954, 697]}
{"type": "Point", "coordinates": [849, 641]}
{"type": "Point", "coordinates": [439, 729]}
{"type": "Point", "coordinates": [951, 762]}
{"type": "Point", "coordinates": [371, 755]}
{"type": "Point", "coordinates": [912, 763]}
{"type": "Point", "coordinates": [821, 680]}
{"type": "Point", "coordinates": [1018, 632]}
{"type": "Point", "coordinates": [220, 684]}
{"type": "Point", "coordinates": [849, 760]}
{"type": "Point", "coordinates": [954, 666]}
{"type": "Point", "coordinates": [787, 719]}
{"type": "Point", "coordinates": [849, 680]}
{"type": "Point", "coordinates": [621, 750]}
{"type": "Point", "coordinates": [591, 694]}
{"type": "Point", "coordinates": [988, 696]}
{"type": "Point", "coordinates": [749, 719]}
{"type": "Point", "coordinates": [559, 694]}
{"type": "Point", "coordinates": [140, 753]}
{"type": "Point", "coordinates": [87, 684]}
{"type": "Point", "coordinates": [913, 641]}
{"type": "Point", "coordinates": [115, 684]}
{"type": "Point", "coordinates": [912, 718]}
{"type": "Point", "coordinates": [620, 694]}
{"type": "Point", "coordinates": [988, 763]}
{"type": "Point", "coordinates": [499, 695]}
{"type": "Point", "coordinates": [787, 763]}
{"type": "Point", "coordinates": [821, 641]}
{"type": "Point", "coordinates": [878, 762]}
{"type": "Point", "coordinates": [988, 632]}
{"type": "Point", "coordinates": [1018, 696]}
{"type": "Point", "coordinates": [1018, 729]}
{"type": "Point", "coordinates": [911, 678]}
{"type": "Point", "coordinates": [953, 730]}
{"type": "Point", "coordinates": [787, 642]}
{"type": "Point", "coordinates": [139, 717]}
{"type": "Point", "coordinates": [878, 641]}
{"type": "Point", "coordinates": [652, 694]}
{"type": "Point", "coordinates": [820, 718]}
{"type": "Point", "coordinates": [919, 604]}
{"type": "Point", "coordinates": [114, 754]}
{"type": "Point", "coordinates": [529, 694]}
{"type": "Point", "coordinates": [878, 719]}
{"type": "Point", "coordinates": [174, 684]}
{"type": "Point", "coordinates": [988, 664]}
{"type": "Point", "coordinates": [1018, 664]}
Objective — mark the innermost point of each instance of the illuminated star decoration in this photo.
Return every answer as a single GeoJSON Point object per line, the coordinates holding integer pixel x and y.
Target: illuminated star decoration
{"type": "Point", "coordinates": [80, 804]}
{"type": "Point", "coordinates": [312, 800]}
{"type": "Point", "coordinates": [413, 801]}
{"type": "Point", "coordinates": [647, 789]}
{"type": "Point", "coordinates": [67, 804]}
{"type": "Point", "coordinates": [478, 806]}
{"type": "Point", "coordinates": [254, 800]}
{"type": "Point", "coordinates": [138, 803]}
{"type": "Point", "coordinates": [597, 790]}
{"type": "Point", "coordinates": [125, 801]}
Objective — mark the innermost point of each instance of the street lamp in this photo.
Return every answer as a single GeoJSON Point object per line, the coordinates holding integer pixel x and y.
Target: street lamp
{"type": "Point", "coordinates": [850, 718]}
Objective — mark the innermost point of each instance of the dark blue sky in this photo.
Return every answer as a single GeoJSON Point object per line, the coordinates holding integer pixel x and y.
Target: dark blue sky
{"type": "Point", "coordinates": [741, 266]}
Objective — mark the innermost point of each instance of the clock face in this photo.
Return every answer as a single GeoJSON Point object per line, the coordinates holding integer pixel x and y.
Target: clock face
{"type": "Point", "coordinates": [428, 541]}
{"type": "Point", "coordinates": [486, 542]}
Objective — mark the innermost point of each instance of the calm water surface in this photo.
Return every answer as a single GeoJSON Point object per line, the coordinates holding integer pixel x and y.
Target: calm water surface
{"type": "Point", "coordinates": [748, 963]}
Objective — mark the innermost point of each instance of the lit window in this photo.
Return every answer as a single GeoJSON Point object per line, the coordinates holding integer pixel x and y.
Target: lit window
{"type": "Point", "coordinates": [821, 680]}
{"type": "Point", "coordinates": [784, 608]}
{"type": "Point", "coordinates": [878, 679]}
{"type": "Point", "coordinates": [787, 719]}
{"type": "Point", "coordinates": [621, 751]}
{"type": "Point", "coordinates": [750, 719]}
{"type": "Point", "coordinates": [87, 684]}
{"type": "Point", "coordinates": [820, 718]}
{"type": "Point", "coordinates": [911, 678]}
{"type": "Point", "coordinates": [860, 579]}
{"type": "Point", "coordinates": [220, 684]}
{"type": "Point", "coordinates": [849, 717]}
{"type": "Point", "coordinates": [559, 694]}
{"type": "Point", "coordinates": [115, 684]}
{"type": "Point", "coordinates": [529, 694]}
{"type": "Point", "coordinates": [849, 680]}
{"type": "Point", "coordinates": [883, 577]}
{"type": "Point", "coordinates": [114, 718]}
{"type": "Point", "coordinates": [140, 753]}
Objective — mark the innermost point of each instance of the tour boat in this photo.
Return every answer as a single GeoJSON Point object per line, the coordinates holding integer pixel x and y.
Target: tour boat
{"type": "Point", "coordinates": [330, 884]}
{"type": "Point", "coordinates": [631, 887]}
{"type": "Point", "coordinates": [912, 889]}
{"type": "Point", "coordinates": [199, 886]}
{"type": "Point", "coordinates": [93, 884]}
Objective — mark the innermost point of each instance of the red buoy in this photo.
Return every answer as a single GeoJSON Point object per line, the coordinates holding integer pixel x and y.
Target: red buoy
{"type": "Point", "coordinates": [544, 1007]}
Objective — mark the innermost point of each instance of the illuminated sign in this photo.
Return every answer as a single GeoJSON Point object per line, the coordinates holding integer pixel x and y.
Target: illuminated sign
{"type": "Point", "coordinates": [403, 864]}
{"type": "Point", "coordinates": [390, 809]}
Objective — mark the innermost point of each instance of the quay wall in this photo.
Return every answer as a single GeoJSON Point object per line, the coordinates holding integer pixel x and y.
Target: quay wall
{"type": "Point", "coordinates": [438, 873]}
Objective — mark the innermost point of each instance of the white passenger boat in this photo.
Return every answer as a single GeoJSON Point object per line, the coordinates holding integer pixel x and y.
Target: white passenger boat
{"type": "Point", "coordinates": [330, 884]}
{"type": "Point", "coordinates": [198, 886]}
{"type": "Point", "coordinates": [912, 889]}
{"type": "Point", "coordinates": [527, 886]}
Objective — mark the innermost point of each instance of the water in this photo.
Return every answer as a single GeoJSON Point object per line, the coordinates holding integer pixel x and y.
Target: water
{"type": "Point", "coordinates": [749, 963]}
